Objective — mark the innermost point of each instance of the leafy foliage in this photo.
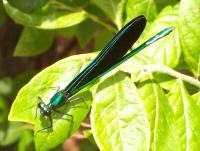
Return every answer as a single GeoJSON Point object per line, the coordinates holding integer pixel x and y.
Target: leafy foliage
{"type": "Point", "coordinates": [119, 115]}
{"type": "Point", "coordinates": [189, 34]}
{"type": "Point", "coordinates": [133, 108]}
{"type": "Point", "coordinates": [29, 38]}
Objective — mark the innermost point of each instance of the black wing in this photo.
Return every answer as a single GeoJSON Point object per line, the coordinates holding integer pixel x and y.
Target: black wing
{"type": "Point", "coordinates": [110, 55]}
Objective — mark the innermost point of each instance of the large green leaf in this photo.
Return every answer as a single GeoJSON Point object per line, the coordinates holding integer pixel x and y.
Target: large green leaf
{"type": "Point", "coordinates": [10, 133]}
{"type": "Point", "coordinates": [25, 104]}
{"type": "Point", "coordinates": [186, 111]}
{"type": "Point", "coordinates": [162, 122]}
{"type": "Point", "coordinates": [132, 66]}
{"type": "Point", "coordinates": [6, 85]}
{"type": "Point", "coordinates": [48, 17]}
{"type": "Point", "coordinates": [89, 143]}
{"type": "Point", "coordinates": [3, 110]}
{"type": "Point", "coordinates": [102, 39]}
{"type": "Point", "coordinates": [189, 15]}
{"type": "Point", "coordinates": [167, 50]}
{"type": "Point", "coordinates": [135, 8]}
{"type": "Point", "coordinates": [85, 34]}
{"type": "Point", "coordinates": [118, 117]}
{"type": "Point", "coordinates": [33, 42]}
{"type": "Point", "coordinates": [26, 141]}
{"type": "Point", "coordinates": [196, 97]}
{"type": "Point", "coordinates": [113, 9]}
{"type": "Point", "coordinates": [149, 8]}
{"type": "Point", "coordinates": [162, 4]}
{"type": "Point", "coordinates": [28, 6]}
{"type": "Point", "coordinates": [75, 3]}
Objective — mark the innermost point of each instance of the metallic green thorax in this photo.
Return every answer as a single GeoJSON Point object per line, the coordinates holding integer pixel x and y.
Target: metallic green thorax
{"type": "Point", "coordinates": [57, 99]}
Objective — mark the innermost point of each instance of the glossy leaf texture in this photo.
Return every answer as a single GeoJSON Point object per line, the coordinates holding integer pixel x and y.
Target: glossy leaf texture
{"type": "Point", "coordinates": [75, 3]}
{"type": "Point", "coordinates": [102, 39]}
{"type": "Point", "coordinates": [85, 34]}
{"type": "Point", "coordinates": [25, 104]}
{"type": "Point", "coordinates": [189, 24]}
{"type": "Point", "coordinates": [118, 117]}
{"type": "Point", "coordinates": [47, 17]}
{"type": "Point", "coordinates": [9, 133]}
{"type": "Point", "coordinates": [173, 117]}
{"type": "Point", "coordinates": [160, 113]}
{"type": "Point", "coordinates": [113, 9]}
{"type": "Point", "coordinates": [146, 7]}
{"type": "Point", "coordinates": [26, 141]}
{"type": "Point", "coordinates": [186, 110]}
{"type": "Point", "coordinates": [167, 50]}
{"type": "Point", "coordinates": [196, 97]}
{"type": "Point", "coordinates": [3, 110]}
{"type": "Point", "coordinates": [29, 7]}
{"type": "Point", "coordinates": [33, 42]}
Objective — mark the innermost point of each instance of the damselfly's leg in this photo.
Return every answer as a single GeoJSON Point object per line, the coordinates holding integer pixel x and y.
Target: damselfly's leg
{"type": "Point", "coordinates": [50, 126]}
{"type": "Point", "coordinates": [57, 88]}
{"type": "Point", "coordinates": [76, 100]}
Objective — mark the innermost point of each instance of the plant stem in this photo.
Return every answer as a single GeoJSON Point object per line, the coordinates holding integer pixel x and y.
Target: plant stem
{"type": "Point", "coordinates": [171, 72]}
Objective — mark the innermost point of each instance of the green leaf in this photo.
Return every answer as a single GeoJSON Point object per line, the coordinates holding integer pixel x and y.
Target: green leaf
{"type": "Point", "coordinates": [68, 32]}
{"type": "Point", "coordinates": [25, 104]}
{"type": "Point", "coordinates": [86, 145]}
{"type": "Point", "coordinates": [162, 4]}
{"type": "Point", "coordinates": [189, 15]}
{"type": "Point", "coordinates": [10, 133]}
{"type": "Point", "coordinates": [26, 141]}
{"type": "Point", "coordinates": [186, 112]}
{"type": "Point", "coordinates": [118, 117]}
{"type": "Point", "coordinates": [135, 8]}
{"type": "Point", "coordinates": [196, 97]}
{"type": "Point", "coordinates": [85, 32]}
{"type": "Point", "coordinates": [165, 81]}
{"type": "Point", "coordinates": [20, 80]}
{"type": "Point", "coordinates": [162, 122]}
{"type": "Point", "coordinates": [6, 85]}
{"type": "Point", "coordinates": [75, 3]}
{"type": "Point", "coordinates": [131, 66]}
{"type": "Point", "coordinates": [148, 8]}
{"type": "Point", "coordinates": [89, 143]}
{"type": "Point", "coordinates": [102, 39]}
{"type": "Point", "coordinates": [167, 50]}
{"type": "Point", "coordinates": [113, 9]}
{"type": "Point", "coordinates": [49, 17]}
{"type": "Point", "coordinates": [33, 42]}
{"type": "Point", "coordinates": [29, 6]}
{"type": "Point", "coordinates": [3, 110]}
{"type": "Point", "coordinates": [89, 135]}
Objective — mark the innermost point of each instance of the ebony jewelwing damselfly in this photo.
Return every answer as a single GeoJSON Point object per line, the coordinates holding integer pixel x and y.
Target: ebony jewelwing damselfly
{"type": "Point", "coordinates": [109, 58]}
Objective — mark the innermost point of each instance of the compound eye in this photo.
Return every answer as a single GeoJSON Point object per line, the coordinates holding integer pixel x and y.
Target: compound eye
{"type": "Point", "coordinates": [43, 108]}
{"type": "Point", "coordinates": [41, 105]}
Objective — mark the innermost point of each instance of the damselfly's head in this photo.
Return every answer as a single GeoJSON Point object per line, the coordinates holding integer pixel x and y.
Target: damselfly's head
{"type": "Point", "coordinates": [44, 109]}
